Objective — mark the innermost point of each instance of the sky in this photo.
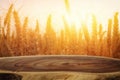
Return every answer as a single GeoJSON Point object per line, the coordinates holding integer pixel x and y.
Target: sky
{"type": "Point", "coordinates": [40, 9]}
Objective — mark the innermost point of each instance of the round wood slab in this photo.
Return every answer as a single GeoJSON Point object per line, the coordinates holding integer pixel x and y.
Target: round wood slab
{"type": "Point", "coordinates": [60, 63]}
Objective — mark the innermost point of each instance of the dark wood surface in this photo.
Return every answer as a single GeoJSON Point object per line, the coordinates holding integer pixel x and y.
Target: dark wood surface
{"type": "Point", "coordinates": [60, 63]}
{"type": "Point", "coordinates": [10, 76]}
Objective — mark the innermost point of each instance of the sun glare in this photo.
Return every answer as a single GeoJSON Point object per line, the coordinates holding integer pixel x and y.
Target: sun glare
{"type": "Point", "coordinates": [74, 16]}
{"type": "Point", "coordinates": [73, 12]}
{"type": "Point", "coordinates": [78, 19]}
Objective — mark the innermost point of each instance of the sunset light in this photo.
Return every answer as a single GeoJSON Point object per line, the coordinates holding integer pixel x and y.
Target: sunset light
{"type": "Point", "coordinates": [75, 11]}
{"type": "Point", "coordinates": [60, 27]}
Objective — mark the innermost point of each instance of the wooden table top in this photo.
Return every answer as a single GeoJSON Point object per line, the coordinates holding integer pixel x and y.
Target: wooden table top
{"type": "Point", "coordinates": [60, 63]}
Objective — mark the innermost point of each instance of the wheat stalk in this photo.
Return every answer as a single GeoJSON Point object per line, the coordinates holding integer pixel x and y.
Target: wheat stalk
{"type": "Point", "coordinates": [8, 15]}
{"type": "Point", "coordinates": [86, 36]}
{"type": "Point", "coordinates": [67, 6]}
{"type": "Point", "coordinates": [109, 36]}
{"type": "Point", "coordinates": [115, 38]}
{"type": "Point", "coordinates": [18, 32]}
{"type": "Point", "coordinates": [94, 35]}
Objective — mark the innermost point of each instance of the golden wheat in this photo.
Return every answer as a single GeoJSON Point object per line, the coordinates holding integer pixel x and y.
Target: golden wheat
{"type": "Point", "coordinates": [27, 41]}
{"type": "Point", "coordinates": [18, 33]}
{"type": "Point", "coordinates": [109, 36]}
{"type": "Point", "coordinates": [115, 37]}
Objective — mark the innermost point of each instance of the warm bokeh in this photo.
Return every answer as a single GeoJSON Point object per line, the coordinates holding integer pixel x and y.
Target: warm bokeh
{"type": "Point", "coordinates": [89, 29]}
{"type": "Point", "coordinates": [40, 9]}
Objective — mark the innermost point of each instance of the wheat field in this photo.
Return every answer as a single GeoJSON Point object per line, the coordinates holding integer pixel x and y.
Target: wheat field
{"type": "Point", "coordinates": [26, 41]}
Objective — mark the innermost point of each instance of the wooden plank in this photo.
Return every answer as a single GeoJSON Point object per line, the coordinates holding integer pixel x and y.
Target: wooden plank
{"type": "Point", "coordinates": [60, 63]}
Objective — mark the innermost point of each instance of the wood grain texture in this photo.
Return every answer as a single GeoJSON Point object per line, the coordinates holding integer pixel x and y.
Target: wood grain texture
{"type": "Point", "coordinates": [60, 63]}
